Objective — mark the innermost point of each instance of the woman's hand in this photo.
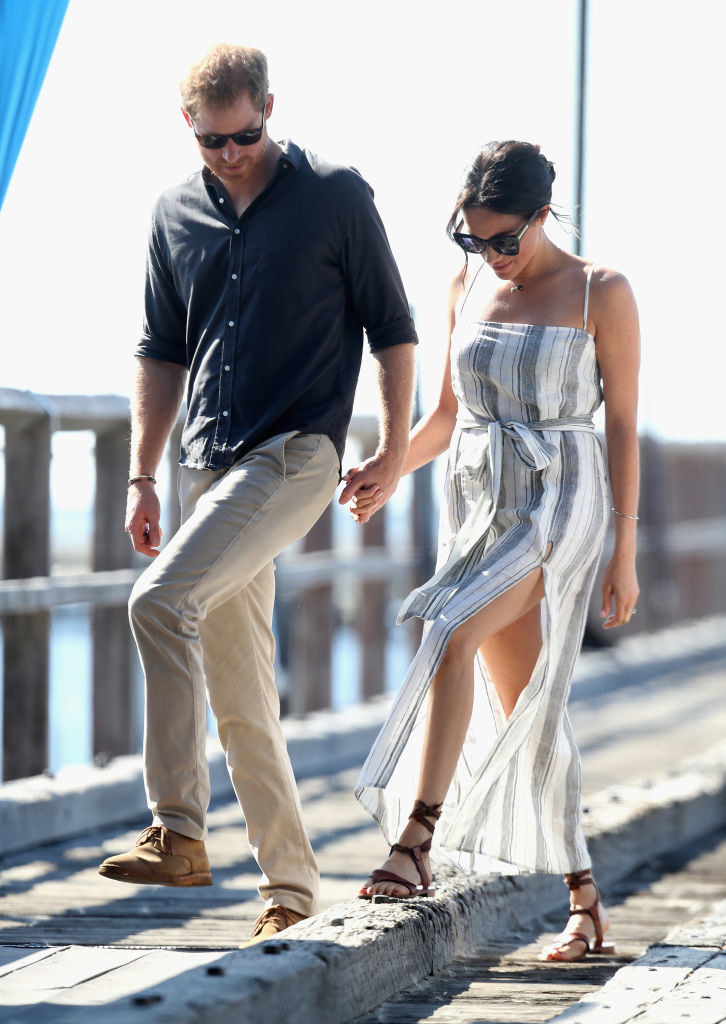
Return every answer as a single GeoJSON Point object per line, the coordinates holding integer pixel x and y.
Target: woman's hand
{"type": "Point", "coordinates": [369, 485]}
{"type": "Point", "coordinates": [363, 503]}
{"type": "Point", "coordinates": [619, 592]}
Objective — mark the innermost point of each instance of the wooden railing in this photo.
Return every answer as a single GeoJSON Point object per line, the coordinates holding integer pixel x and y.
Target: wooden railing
{"type": "Point", "coordinates": [682, 569]}
{"type": "Point", "coordinates": [28, 591]}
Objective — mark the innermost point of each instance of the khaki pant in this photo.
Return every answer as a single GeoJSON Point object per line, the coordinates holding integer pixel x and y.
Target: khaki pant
{"type": "Point", "coordinates": [201, 616]}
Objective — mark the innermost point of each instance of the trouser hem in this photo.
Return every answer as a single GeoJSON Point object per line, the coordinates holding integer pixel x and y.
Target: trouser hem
{"type": "Point", "coordinates": [293, 901]}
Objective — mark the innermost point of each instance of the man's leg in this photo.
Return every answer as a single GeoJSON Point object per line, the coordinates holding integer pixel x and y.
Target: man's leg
{"type": "Point", "coordinates": [246, 517]}
{"type": "Point", "coordinates": [239, 649]}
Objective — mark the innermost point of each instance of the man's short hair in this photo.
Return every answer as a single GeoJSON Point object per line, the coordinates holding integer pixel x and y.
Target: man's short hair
{"type": "Point", "coordinates": [222, 76]}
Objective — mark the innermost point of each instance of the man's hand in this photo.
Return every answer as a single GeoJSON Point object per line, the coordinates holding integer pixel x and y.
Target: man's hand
{"type": "Point", "coordinates": [143, 518]}
{"type": "Point", "coordinates": [369, 486]}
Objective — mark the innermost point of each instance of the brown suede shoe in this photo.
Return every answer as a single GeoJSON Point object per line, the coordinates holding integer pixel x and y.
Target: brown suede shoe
{"type": "Point", "coordinates": [271, 922]}
{"type": "Point", "coordinates": [161, 857]}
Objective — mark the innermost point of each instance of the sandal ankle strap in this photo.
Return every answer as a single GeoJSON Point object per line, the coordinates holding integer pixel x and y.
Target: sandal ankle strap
{"type": "Point", "coordinates": [593, 911]}
{"type": "Point", "coordinates": [423, 847]}
{"type": "Point", "coordinates": [578, 878]}
{"type": "Point", "coordinates": [574, 911]}
{"type": "Point", "coordinates": [420, 812]}
{"type": "Point", "coordinates": [414, 853]}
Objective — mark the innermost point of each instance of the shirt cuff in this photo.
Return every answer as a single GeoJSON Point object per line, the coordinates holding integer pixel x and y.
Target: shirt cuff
{"type": "Point", "coordinates": [398, 332]}
{"type": "Point", "coordinates": [155, 348]}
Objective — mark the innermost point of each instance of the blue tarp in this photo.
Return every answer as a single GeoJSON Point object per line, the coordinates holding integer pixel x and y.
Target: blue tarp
{"type": "Point", "coordinates": [28, 33]}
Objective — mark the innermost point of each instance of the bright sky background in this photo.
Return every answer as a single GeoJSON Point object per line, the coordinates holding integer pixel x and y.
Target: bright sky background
{"type": "Point", "coordinates": [404, 91]}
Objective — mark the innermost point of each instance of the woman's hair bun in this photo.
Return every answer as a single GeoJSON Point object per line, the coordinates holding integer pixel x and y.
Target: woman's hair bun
{"type": "Point", "coordinates": [508, 177]}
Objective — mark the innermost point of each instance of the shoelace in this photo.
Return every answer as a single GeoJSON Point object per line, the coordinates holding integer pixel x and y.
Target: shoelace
{"type": "Point", "coordinates": [158, 837]}
{"type": "Point", "coordinates": [273, 915]}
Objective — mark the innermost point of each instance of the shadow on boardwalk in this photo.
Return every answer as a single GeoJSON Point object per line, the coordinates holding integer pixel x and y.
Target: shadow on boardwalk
{"type": "Point", "coordinates": [72, 939]}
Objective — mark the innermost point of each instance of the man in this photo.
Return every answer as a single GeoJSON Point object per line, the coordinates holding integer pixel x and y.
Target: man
{"type": "Point", "coordinates": [263, 269]}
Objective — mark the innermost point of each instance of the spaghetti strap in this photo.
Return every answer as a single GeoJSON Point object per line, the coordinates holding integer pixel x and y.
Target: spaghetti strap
{"type": "Point", "coordinates": [587, 295]}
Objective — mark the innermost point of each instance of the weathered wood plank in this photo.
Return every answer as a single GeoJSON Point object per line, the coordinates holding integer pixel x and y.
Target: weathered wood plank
{"type": "Point", "coordinates": [295, 572]}
{"type": "Point", "coordinates": [68, 412]}
{"type": "Point", "coordinates": [372, 614]}
{"type": "Point", "coordinates": [17, 958]}
{"type": "Point", "coordinates": [65, 969]}
{"type": "Point", "coordinates": [137, 977]}
{"type": "Point", "coordinates": [312, 631]}
{"type": "Point", "coordinates": [711, 932]}
{"type": "Point", "coordinates": [114, 729]}
{"type": "Point", "coordinates": [26, 552]}
{"type": "Point", "coordinates": [41, 593]}
{"type": "Point", "coordinates": [665, 985]}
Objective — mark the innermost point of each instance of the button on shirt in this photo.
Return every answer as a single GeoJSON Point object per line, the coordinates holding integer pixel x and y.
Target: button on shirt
{"type": "Point", "coordinates": [267, 310]}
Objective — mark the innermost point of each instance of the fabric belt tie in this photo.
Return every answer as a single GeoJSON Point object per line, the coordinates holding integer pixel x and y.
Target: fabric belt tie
{"type": "Point", "coordinates": [531, 449]}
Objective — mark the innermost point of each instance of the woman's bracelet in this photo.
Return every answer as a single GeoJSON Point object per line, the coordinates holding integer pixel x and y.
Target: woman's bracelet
{"type": "Point", "coordinates": [623, 515]}
{"type": "Point", "coordinates": [140, 477]}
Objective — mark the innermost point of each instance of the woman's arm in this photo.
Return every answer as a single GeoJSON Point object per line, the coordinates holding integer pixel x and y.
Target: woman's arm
{"type": "Point", "coordinates": [617, 340]}
{"type": "Point", "coordinates": [431, 435]}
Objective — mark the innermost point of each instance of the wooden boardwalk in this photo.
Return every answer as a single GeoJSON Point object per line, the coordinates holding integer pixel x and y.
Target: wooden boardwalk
{"type": "Point", "coordinates": [506, 984]}
{"type": "Point", "coordinates": [66, 933]}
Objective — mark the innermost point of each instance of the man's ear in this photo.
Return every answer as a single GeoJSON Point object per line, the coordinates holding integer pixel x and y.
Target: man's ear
{"type": "Point", "coordinates": [187, 118]}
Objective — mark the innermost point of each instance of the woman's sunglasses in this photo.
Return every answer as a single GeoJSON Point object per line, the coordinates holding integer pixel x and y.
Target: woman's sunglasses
{"type": "Point", "coordinates": [507, 245]}
{"type": "Point", "coordinates": [245, 138]}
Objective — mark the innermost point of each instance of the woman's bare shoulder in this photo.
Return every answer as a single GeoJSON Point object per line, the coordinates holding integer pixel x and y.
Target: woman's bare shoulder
{"type": "Point", "coordinates": [612, 303]}
{"type": "Point", "coordinates": [609, 283]}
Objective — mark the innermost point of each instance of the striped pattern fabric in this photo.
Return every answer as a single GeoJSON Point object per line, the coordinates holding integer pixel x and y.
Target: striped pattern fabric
{"type": "Point", "coordinates": [514, 803]}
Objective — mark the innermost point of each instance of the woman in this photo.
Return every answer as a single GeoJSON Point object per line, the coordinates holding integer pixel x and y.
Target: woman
{"type": "Point", "coordinates": [522, 525]}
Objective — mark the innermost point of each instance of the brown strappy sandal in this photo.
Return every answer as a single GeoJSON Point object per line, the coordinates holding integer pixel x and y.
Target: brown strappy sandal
{"type": "Point", "coordinates": [419, 814]}
{"type": "Point", "coordinates": [594, 945]}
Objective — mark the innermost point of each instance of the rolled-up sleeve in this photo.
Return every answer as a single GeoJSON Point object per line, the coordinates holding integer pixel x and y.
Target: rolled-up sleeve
{"type": "Point", "coordinates": [163, 334]}
{"type": "Point", "coordinates": [371, 274]}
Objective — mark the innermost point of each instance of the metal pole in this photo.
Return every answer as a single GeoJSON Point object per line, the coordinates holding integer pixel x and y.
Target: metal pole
{"type": "Point", "coordinates": [580, 101]}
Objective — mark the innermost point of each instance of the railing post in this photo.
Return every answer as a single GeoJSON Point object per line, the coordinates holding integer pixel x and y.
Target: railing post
{"type": "Point", "coordinates": [313, 624]}
{"type": "Point", "coordinates": [372, 616]}
{"type": "Point", "coordinates": [423, 529]}
{"type": "Point", "coordinates": [113, 697]}
{"type": "Point", "coordinates": [423, 541]}
{"type": "Point", "coordinates": [26, 637]}
{"type": "Point", "coordinates": [658, 581]}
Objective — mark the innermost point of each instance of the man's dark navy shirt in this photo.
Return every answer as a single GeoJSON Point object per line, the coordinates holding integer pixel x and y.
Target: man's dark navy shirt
{"type": "Point", "coordinates": [267, 310]}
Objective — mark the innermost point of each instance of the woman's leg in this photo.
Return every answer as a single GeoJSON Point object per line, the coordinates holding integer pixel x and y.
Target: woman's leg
{"type": "Point", "coordinates": [577, 938]}
{"type": "Point", "coordinates": [510, 655]}
{"type": "Point", "coordinates": [450, 703]}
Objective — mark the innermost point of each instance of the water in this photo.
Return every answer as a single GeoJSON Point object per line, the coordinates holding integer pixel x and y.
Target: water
{"type": "Point", "coordinates": [70, 737]}
{"type": "Point", "coordinates": [70, 677]}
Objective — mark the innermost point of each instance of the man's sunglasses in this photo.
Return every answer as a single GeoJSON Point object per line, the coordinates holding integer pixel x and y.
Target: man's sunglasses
{"type": "Point", "coordinates": [245, 138]}
{"type": "Point", "coordinates": [507, 245]}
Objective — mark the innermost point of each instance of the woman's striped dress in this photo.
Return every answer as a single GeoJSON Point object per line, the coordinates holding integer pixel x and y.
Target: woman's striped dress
{"type": "Point", "coordinates": [525, 487]}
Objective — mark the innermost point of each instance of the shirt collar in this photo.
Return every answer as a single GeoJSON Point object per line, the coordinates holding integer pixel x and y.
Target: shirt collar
{"type": "Point", "coordinates": [291, 153]}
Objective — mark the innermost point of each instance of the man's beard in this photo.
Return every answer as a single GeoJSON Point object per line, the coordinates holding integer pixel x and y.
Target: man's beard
{"type": "Point", "coordinates": [227, 180]}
